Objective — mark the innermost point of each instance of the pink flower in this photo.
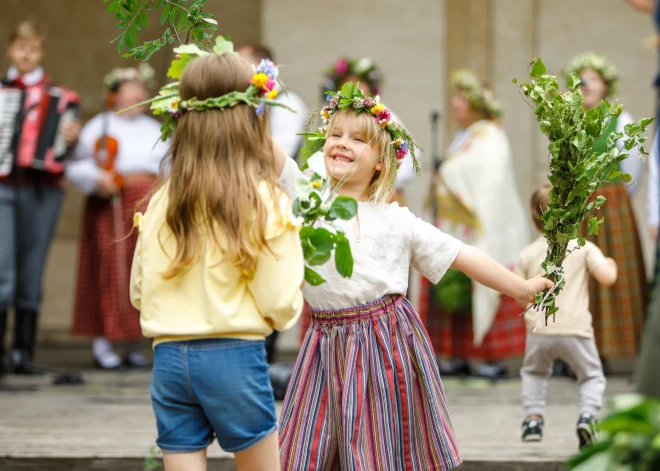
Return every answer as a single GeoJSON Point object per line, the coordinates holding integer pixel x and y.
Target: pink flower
{"type": "Point", "coordinates": [384, 115]}
{"type": "Point", "coordinates": [401, 153]}
{"type": "Point", "coordinates": [368, 102]}
{"type": "Point", "coordinates": [341, 66]}
{"type": "Point", "coordinates": [270, 84]}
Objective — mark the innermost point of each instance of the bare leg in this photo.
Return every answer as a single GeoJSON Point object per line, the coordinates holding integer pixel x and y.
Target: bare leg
{"type": "Point", "coordinates": [264, 456]}
{"type": "Point", "coordinates": [195, 461]}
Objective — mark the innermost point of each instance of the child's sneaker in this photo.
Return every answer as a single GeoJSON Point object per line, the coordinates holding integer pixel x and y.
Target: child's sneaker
{"type": "Point", "coordinates": [532, 430]}
{"type": "Point", "coordinates": [586, 429]}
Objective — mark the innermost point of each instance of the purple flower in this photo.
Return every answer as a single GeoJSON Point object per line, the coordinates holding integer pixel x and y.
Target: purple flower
{"type": "Point", "coordinates": [268, 67]}
{"type": "Point", "coordinates": [260, 108]}
{"type": "Point", "coordinates": [404, 145]}
{"type": "Point", "coordinates": [328, 98]}
{"type": "Point", "coordinates": [368, 102]}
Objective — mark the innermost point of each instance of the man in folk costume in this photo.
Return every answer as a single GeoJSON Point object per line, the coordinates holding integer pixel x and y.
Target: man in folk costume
{"type": "Point", "coordinates": [475, 199]}
{"type": "Point", "coordinates": [31, 190]}
{"type": "Point", "coordinates": [116, 162]}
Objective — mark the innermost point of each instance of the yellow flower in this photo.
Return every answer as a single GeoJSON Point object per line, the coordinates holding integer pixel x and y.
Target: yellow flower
{"type": "Point", "coordinates": [377, 109]}
{"type": "Point", "coordinates": [316, 184]}
{"type": "Point", "coordinates": [383, 124]}
{"type": "Point", "coordinates": [326, 115]}
{"type": "Point", "coordinates": [137, 221]}
{"type": "Point", "coordinates": [272, 94]}
{"type": "Point", "coordinates": [259, 80]}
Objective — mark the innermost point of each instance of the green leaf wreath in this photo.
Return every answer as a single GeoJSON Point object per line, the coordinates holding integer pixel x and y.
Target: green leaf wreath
{"type": "Point", "coordinates": [576, 171]}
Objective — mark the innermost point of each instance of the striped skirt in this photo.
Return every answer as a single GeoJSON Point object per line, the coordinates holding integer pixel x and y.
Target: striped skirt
{"type": "Point", "coordinates": [366, 395]}
{"type": "Point", "coordinates": [618, 311]}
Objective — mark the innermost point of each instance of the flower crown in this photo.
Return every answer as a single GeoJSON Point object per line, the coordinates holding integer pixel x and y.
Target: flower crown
{"type": "Point", "coordinates": [259, 93]}
{"type": "Point", "coordinates": [478, 97]}
{"type": "Point", "coordinates": [364, 68]}
{"type": "Point", "coordinates": [143, 73]}
{"type": "Point", "coordinates": [598, 62]}
{"type": "Point", "coordinates": [351, 97]}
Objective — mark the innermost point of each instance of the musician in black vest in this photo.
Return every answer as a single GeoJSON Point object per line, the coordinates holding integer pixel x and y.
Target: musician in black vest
{"type": "Point", "coordinates": [30, 192]}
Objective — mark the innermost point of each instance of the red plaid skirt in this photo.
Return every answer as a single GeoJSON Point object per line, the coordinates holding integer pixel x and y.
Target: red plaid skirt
{"type": "Point", "coordinates": [452, 334]}
{"type": "Point", "coordinates": [618, 311]}
{"type": "Point", "coordinates": [103, 307]}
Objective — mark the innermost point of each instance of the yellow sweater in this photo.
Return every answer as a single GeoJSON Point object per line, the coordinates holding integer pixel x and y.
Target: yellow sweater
{"type": "Point", "coordinates": [211, 300]}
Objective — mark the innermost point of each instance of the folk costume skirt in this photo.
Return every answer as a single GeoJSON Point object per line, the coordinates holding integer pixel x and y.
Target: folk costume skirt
{"type": "Point", "coordinates": [618, 311]}
{"type": "Point", "coordinates": [366, 395]}
{"type": "Point", "coordinates": [102, 303]}
{"type": "Point", "coordinates": [452, 334]}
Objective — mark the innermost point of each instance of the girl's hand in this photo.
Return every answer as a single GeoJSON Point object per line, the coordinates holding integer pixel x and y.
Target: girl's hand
{"type": "Point", "coordinates": [538, 284]}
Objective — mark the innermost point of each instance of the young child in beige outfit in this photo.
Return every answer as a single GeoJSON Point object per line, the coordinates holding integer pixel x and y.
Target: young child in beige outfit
{"type": "Point", "coordinates": [570, 337]}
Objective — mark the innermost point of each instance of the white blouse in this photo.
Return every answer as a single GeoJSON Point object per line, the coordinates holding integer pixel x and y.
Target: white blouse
{"type": "Point", "coordinates": [391, 240]}
{"type": "Point", "coordinates": [140, 149]}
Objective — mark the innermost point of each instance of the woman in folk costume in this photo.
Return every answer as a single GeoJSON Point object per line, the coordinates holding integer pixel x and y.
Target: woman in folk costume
{"type": "Point", "coordinates": [618, 311]}
{"type": "Point", "coordinates": [475, 199]}
{"type": "Point", "coordinates": [117, 159]}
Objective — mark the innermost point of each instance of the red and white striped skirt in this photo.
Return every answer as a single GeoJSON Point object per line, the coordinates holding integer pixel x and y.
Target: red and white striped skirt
{"type": "Point", "coordinates": [366, 394]}
{"type": "Point", "coordinates": [103, 307]}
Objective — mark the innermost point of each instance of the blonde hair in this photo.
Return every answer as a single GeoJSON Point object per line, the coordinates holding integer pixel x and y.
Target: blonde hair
{"type": "Point", "coordinates": [26, 30]}
{"type": "Point", "coordinates": [219, 159]}
{"type": "Point", "coordinates": [539, 203]}
{"type": "Point", "coordinates": [382, 184]}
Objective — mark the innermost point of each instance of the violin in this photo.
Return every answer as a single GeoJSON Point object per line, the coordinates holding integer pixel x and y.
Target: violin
{"type": "Point", "coordinates": [105, 152]}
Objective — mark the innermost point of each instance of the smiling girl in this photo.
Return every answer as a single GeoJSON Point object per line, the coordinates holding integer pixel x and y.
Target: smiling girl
{"type": "Point", "coordinates": [366, 391]}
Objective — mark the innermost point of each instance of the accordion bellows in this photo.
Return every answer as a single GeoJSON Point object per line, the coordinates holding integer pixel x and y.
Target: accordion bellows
{"type": "Point", "coordinates": [31, 124]}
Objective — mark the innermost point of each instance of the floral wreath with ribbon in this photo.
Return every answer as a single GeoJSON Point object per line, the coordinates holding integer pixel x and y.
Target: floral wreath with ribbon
{"type": "Point", "coordinates": [143, 73]}
{"type": "Point", "coordinates": [168, 103]}
{"type": "Point", "coordinates": [351, 97]}
{"type": "Point", "coordinates": [598, 62]}
{"type": "Point", "coordinates": [479, 97]}
{"type": "Point", "coordinates": [364, 68]}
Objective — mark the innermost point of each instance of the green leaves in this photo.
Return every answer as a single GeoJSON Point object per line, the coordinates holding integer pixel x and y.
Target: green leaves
{"type": "Point", "coordinates": [538, 68]}
{"type": "Point", "coordinates": [223, 46]}
{"type": "Point", "coordinates": [629, 438]}
{"type": "Point", "coordinates": [574, 81]}
{"type": "Point", "coordinates": [313, 278]}
{"type": "Point", "coordinates": [576, 169]}
{"type": "Point", "coordinates": [343, 256]}
{"type": "Point", "coordinates": [318, 242]}
{"type": "Point", "coordinates": [344, 208]}
{"type": "Point", "coordinates": [594, 225]}
{"type": "Point", "coordinates": [185, 20]}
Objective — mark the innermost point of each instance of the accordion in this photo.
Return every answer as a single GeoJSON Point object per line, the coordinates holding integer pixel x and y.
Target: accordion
{"type": "Point", "coordinates": [31, 123]}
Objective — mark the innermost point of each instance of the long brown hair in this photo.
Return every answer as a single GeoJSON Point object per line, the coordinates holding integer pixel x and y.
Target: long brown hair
{"type": "Point", "coordinates": [219, 159]}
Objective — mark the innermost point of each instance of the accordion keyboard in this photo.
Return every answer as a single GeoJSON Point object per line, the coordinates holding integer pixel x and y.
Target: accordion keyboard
{"type": "Point", "coordinates": [11, 100]}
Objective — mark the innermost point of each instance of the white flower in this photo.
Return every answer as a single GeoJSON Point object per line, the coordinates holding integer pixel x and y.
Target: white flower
{"type": "Point", "coordinates": [377, 100]}
{"type": "Point", "coordinates": [363, 65]}
{"type": "Point", "coordinates": [358, 102]}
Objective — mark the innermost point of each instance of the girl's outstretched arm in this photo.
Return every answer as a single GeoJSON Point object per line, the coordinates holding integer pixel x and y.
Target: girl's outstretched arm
{"type": "Point", "coordinates": [483, 269]}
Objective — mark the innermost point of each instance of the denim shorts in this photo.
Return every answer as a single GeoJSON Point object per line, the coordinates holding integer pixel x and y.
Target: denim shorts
{"type": "Point", "coordinates": [209, 388]}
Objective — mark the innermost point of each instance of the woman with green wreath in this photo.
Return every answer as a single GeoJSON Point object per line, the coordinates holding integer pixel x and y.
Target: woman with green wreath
{"type": "Point", "coordinates": [475, 199]}
{"type": "Point", "coordinates": [618, 311]}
